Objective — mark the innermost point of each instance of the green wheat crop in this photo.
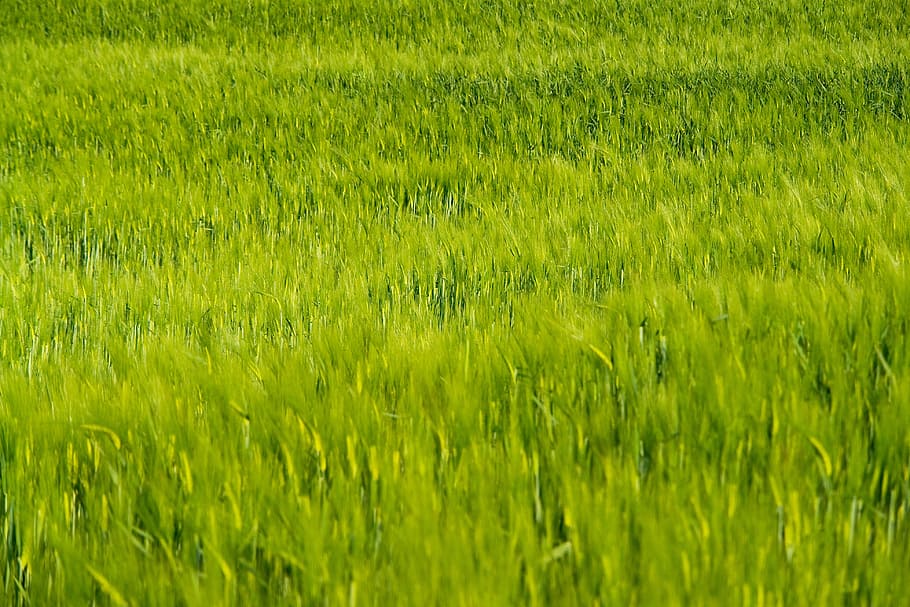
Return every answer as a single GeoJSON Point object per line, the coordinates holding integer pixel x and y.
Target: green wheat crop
{"type": "Point", "coordinates": [454, 303]}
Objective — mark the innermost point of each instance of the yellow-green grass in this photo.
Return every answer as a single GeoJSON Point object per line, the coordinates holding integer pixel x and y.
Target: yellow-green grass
{"type": "Point", "coordinates": [407, 303]}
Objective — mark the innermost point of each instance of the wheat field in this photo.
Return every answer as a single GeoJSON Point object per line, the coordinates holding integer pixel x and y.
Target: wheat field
{"type": "Point", "coordinates": [452, 303]}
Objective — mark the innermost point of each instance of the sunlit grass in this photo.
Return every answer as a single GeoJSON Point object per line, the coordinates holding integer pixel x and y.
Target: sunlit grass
{"type": "Point", "coordinates": [405, 303]}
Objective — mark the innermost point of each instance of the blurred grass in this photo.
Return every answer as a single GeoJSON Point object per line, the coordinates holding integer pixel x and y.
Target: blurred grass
{"type": "Point", "coordinates": [407, 303]}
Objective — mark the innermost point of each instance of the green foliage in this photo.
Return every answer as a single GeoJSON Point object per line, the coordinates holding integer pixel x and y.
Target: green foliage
{"type": "Point", "coordinates": [454, 303]}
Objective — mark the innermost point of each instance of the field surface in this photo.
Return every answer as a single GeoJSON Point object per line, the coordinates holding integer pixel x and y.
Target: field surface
{"type": "Point", "coordinates": [454, 303]}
